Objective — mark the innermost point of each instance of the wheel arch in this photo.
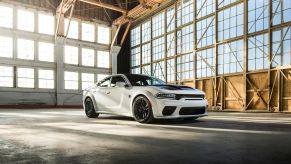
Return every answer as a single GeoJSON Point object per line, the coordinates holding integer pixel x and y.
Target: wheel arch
{"type": "Point", "coordinates": [89, 95]}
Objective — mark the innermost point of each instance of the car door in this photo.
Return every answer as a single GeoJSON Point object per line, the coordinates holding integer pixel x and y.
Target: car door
{"type": "Point", "coordinates": [102, 95]}
{"type": "Point", "coordinates": [120, 96]}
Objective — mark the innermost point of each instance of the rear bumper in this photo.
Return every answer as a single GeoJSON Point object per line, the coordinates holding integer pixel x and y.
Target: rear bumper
{"type": "Point", "coordinates": [182, 108]}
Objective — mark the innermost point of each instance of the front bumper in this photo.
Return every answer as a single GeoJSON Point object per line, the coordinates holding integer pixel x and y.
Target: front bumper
{"type": "Point", "coordinates": [158, 106]}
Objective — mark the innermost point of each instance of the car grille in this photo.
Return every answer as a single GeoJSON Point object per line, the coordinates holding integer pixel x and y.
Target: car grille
{"type": "Point", "coordinates": [189, 96]}
{"type": "Point", "coordinates": [192, 110]}
{"type": "Point", "coordinates": [168, 110]}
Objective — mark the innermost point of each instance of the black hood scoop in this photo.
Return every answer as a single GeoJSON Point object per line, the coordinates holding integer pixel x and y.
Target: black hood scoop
{"type": "Point", "coordinates": [174, 87]}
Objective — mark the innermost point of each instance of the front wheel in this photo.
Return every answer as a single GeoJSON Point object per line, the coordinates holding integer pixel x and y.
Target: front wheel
{"type": "Point", "coordinates": [142, 110]}
{"type": "Point", "coordinates": [89, 108]}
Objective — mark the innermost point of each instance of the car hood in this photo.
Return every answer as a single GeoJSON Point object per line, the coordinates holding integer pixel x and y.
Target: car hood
{"type": "Point", "coordinates": [169, 88]}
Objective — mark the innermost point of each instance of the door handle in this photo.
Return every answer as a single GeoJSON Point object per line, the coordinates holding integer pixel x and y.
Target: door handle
{"type": "Point", "coordinates": [107, 92]}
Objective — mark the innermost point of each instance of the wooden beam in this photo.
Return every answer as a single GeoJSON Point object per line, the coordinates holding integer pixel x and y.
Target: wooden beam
{"type": "Point", "coordinates": [125, 33]}
{"type": "Point", "coordinates": [107, 6]}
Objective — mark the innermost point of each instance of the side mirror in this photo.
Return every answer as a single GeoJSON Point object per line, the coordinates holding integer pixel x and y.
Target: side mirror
{"type": "Point", "coordinates": [121, 84]}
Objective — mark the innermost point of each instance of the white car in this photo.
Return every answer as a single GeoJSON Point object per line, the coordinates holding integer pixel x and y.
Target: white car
{"type": "Point", "coordinates": [144, 98]}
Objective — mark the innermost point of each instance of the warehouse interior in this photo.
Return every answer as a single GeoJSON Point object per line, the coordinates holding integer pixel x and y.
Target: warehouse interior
{"type": "Point", "coordinates": [237, 51]}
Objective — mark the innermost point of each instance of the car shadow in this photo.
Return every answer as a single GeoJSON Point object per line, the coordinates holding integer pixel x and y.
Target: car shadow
{"type": "Point", "coordinates": [157, 121]}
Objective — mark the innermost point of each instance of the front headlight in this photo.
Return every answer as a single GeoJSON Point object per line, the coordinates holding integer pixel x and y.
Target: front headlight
{"type": "Point", "coordinates": [165, 96]}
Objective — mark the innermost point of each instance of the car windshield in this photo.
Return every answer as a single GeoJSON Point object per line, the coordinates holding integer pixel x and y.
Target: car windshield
{"type": "Point", "coordinates": [142, 80]}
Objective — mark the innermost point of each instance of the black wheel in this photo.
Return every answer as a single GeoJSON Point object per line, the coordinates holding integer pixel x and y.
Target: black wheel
{"type": "Point", "coordinates": [142, 110]}
{"type": "Point", "coordinates": [89, 108]}
{"type": "Point", "coordinates": [190, 118]}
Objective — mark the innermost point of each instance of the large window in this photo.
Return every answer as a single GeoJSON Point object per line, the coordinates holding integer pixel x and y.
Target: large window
{"type": "Point", "coordinates": [135, 36]}
{"type": "Point", "coordinates": [46, 24]}
{"type": "Point", "coordinates": [205, 7]}
{"type": "Point", "coordinates": [103, 59]}
{"type": "Point", "coordinates": [71, 80]}
{"type": "Point", "coordinates": [171, 70]}
{"type": "Point", "coordinates": [205, 32]}
{"type": "Point", "coordinates": [281, 10]}
{"type": "Point", "coordinates": [71, 55]}
{"type": "Point", "coordinates": [6, 17]}
{"type": "Point", "coordinates": [103, 35]}
{"type": "Point", "coordinates": [258, 52]}
{"type": "Point", "coordinates": [185, 39]}
{"type": "Point", "coordinates": [230, 57]}
{"type": "Point", "coordinates": [88, 32]}
{"type": "Point", "coordinates": [159, 70]}
{"type": "Point", "coordinates": [73, 29]}
{"type": "Point", "coordinates": [171, 44]}
{"type": "Point", "coordinates": [46, 79]}
{"type": "Point", "coordinates": [25, 20]}
{"type": "Point", "coordinates": [135, 56]}
{"type": "Point", "coordinates": [87, 80]}
{"type": "Point", "coordinates": [146, 70]}
{"type": "Point", "coordinates": [25, 77]}
{"type": "Point", "coordinates": [6, 76]}
{"type": "Point", "coordinates": [281, 53]}
{"type": "Point", "coordinates": [185, 67]}
{"type": "Point", "coordinates": [45, 52]}
{"type": "Point", "coordinates": [88, 56]}
{"type": "Point", "coordinates": [6, 47]}
{"type": "Point", "coordinates": [258, 15]}
{"type": "Point", "coordinates": [146, 53]}
{"type": "Point", "coordinates": [170, 19]}
{"type": "Point", "coordinates": [184, 12]}
{"type": "Point", "coordinates": [25, 49]}
{"type": "Point", "coordinates": [158, 25]}
{"type": "Point", "coordinates": [146, 31]}
{"type": "Point", "coordinates": [205, 63]}
{"type": "Point", "coordinates": [158, 49]}
{"type": "Point", "coordinates": [230, 22]}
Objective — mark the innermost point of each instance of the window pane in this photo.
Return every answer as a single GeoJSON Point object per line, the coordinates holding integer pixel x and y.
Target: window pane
{"type": "Point", "coordinates": [258, 52]}
{"type": "Point", "coordinates": [6, 47]}
{"type": "Point", "coordinates": [170, 19]}
{"type": "Point", "coordinates": [87, 80]}
{"type": "Point", "coordinates": [158, 24]}
{"type": "Point", "coordinates": [25, 77]}
{"type": "Point", "coordinates": [258, 15]}
{"type": "Point", "coordinates": [71, 80]}
{"type": "Point", "coordinates": [205, 7]}
{"type": "Point", "coordinates": [185, 67]}
{"type": "Point", "coordinates": [205, 32]}
{"type": "Point", "coordinates": [135, 56]}
{"type": "Point", "coordinates": [73, 29]}
{"type": "Point", "coordinates": [88, 57]}
{"type": "Point", "coordinates": [46, 24]}
{"type": "Point", "coordinates": [230, 57]}
{"type": "Point", "coordinates": [46, 52]}
{"type": "Point", "coordinates": [281, 10]}
{"type": "Point", "coordinates": [135, 36]}
{"type": "Point", "coordinates": [71, 55]}
{"type": "Point", "coordinates": [146, 70]}
{"type": "Point", "coordinates": [6, 17]}
{"type": "Point", "coordinates": [230, 22]}
{"type": "Point", "coordinates": [46, 79]}
{"type": "Point", "coordinates": [146, 31]}
{"type": "Point", "coordinates": [184, 12]}
{"type": "Point", "coordinates": [158, 49]}
{"type": "Point", "coordinates": [281, 52]}
{"type": "Point", "coordinates": [25, 49]}
{"type": "Point", "coordinates": [171, 70]}
{"type": "Point", "coordinates": [6, 76]}
{"type": "Point", "coordinates": [103, 59]}
{"type": "Point", "coordinates": [103, 35]}
{"type": "Point", "coordinates": [25, 20]}
{"type": "Point", "coordinates": [88, 32]}
{"type": "Point", "coordinates": [205, 63]}
{"type": "Point", "coordinates": [159, 70]}
{"type": "Point", "coordinates": [146, 53]}
{"type": "Point", "coordinates": [135, 70]}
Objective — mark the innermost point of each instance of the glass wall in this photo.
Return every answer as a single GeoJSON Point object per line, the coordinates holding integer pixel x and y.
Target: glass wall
{"type": "Point", "coordinates": [207, 38]}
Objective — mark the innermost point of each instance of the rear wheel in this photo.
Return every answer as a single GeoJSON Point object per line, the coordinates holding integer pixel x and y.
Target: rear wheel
{"type": "Point", "coordinates": [89, 108]}
{"type": "Point", "coordinates": [142, 110]}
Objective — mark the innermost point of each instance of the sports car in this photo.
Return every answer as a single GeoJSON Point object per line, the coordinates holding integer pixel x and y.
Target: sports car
{"type": "Point", "coordinates": [144, 98]}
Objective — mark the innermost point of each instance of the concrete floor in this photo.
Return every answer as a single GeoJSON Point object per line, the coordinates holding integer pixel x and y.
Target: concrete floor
{"type": "Point", "coordinates": [66, 136]}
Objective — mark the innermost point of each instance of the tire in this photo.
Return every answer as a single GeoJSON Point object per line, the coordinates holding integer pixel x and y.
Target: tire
{"type": "Point", "coordinates": [190, 118]}
{"type": "Point", "coordinates": [89, 108]}
{"type": "Point", "coordinates": [142, 110]}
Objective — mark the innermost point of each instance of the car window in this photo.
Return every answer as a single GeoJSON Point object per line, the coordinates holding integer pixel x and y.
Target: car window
{"type": "Point", "coordinates": [116, 79]}
{"type": "Point", "coordinates": [104, 83]}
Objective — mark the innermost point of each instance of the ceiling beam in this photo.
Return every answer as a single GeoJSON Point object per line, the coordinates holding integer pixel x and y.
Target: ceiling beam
{"type": "Point", "coordinates": [107, 6]}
